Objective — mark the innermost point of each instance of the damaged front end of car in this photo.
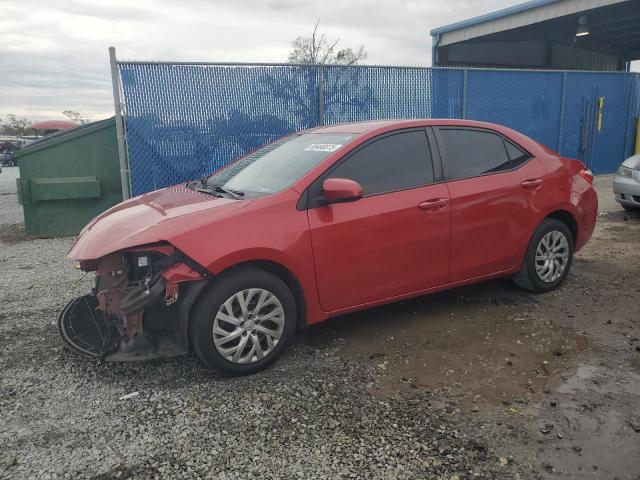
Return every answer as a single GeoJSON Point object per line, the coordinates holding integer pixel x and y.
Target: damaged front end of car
{"type": "Point", "coordinates": [139, 307]}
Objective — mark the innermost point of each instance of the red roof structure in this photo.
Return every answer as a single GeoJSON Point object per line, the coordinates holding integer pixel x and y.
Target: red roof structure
{"type": "Point", "coordinates": [54, 125]}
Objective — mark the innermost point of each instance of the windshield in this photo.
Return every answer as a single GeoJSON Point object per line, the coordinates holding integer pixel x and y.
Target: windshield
{"type": "Point", "coordinates": [278, 165]}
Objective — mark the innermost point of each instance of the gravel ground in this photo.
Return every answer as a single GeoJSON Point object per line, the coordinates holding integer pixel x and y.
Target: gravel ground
{"type": "Point", "coordinates": [311, 416]}
{"type": "Point", "coordinates": [484, 381]}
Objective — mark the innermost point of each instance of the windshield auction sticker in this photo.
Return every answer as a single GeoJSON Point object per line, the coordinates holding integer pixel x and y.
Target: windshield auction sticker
{"type": "Point", "coordinates": [323, 147]}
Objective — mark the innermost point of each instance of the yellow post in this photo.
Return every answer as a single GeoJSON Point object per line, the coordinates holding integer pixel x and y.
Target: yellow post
{"type": "Point", "coordinates": [638, 137]}
{"type": "Point", "coordinates": [600, 107]}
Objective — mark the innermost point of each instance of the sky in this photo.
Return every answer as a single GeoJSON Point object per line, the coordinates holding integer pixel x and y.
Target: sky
{"type": "Point", "coordinates": [54, 54]}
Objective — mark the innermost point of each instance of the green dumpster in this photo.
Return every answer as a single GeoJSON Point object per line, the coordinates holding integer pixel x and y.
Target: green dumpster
{"type": "Point", "coordinates": [68, 178]}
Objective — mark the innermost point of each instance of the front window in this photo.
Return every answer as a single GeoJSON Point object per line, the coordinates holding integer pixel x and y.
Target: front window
{"type": "Point", "coordinates": [278, 165]}
{"type": "Point", "coordinates": [391, 163]}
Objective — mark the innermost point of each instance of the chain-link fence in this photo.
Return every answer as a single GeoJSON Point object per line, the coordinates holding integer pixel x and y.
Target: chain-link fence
{"type": "Point", "coordinates": [184, 120]}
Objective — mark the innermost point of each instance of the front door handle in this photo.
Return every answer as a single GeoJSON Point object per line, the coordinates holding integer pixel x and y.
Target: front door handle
{"type": "Point", "coordinates": [531, 183]}
{"type": "Point", "coordinates": [433, 203]}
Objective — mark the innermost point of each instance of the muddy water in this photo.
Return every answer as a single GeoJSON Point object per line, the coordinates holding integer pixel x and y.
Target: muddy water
{"type": "Point", "coordinates": [479, 343]}
{"type": "Point", "coordinates": [555, 377]}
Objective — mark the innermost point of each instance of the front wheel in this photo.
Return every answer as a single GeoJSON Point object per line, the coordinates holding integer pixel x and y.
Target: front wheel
{"type": "Point", "coordinates": [548, 258]}
{"type": "Point", "coordinates": [244, 322]}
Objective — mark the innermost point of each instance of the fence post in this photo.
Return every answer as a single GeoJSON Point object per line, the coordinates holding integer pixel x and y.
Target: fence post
{"type": "Point", "coordinates": [122, 151]}
{"type": "Point", "coordinates": [464, 93]}
{"type": "Point", "coordinates": [562, 102]}
{"type": "Point", "coordinates": [320, 74]}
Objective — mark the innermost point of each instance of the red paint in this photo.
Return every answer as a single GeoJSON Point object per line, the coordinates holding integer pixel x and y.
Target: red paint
{"type": "Point", "coordinates": [374, 250]}
{"type": "Point", "coordinates": [380, 246]}
{"type": "Point", "coordinates": [179, 273]}
{"type": "Point", "coordinates": [340, 189]}
{"type": "Point", "coordinates": [149, 218]}
{"type": "Point", "coordinates": [493, 217]}
{"type": "Point", "coordinates": [54, 125]}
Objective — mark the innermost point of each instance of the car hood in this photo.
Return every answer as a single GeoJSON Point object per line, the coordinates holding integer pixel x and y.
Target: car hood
{"type": "Point", "coordinates": [153, 217]}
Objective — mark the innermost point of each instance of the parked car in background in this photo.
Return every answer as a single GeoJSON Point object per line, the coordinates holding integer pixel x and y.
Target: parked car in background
{"type": "Point", "coordinates": [8, 160]}
{"type": "Point", "coordinates": [321, 223]}
{"type": "Point", "coordinates": [626, 184]}
{"type": "Point", "coordinates": [8, 150]}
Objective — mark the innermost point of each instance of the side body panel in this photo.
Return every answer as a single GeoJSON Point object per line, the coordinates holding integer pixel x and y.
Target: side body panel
{"type": "Point", "coordinates": [569, 191]}
{"type": "Point", "coordinates": [380, 246]}
{"type": "Point", "coordinates": [268, 229]}
{"type": "Point", "coordinates": [491, 218]}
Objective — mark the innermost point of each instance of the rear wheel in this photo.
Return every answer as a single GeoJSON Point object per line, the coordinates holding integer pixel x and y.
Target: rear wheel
{"type": "Point", "coordinates": [548, 257]}
{"type": "Point", "coordinates": [244, 322]}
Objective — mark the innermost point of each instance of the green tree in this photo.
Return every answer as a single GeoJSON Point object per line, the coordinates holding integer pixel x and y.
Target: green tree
{"type": "Point", "coordinates": [317, 49]}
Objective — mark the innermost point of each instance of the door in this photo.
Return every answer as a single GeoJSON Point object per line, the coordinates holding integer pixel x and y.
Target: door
{"type": "Point", "coordinates": [395, 239]}
{"type": "Point", "coordinates": [495, 198]}
{"type": "Point", "coordinates": [596, 120]}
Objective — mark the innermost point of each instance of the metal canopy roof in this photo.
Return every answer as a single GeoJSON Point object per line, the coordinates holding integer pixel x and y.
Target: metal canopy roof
{"type": "Point", "coordinates": [492, 16]}
{"type": "Point", "coordinates": [614, 29]}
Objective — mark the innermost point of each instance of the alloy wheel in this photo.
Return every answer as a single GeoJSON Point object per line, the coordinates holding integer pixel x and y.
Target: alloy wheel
{"type": "Point", "coordinates": [552, 256]}
{"type": "Point", "coordinates": [248, 325]}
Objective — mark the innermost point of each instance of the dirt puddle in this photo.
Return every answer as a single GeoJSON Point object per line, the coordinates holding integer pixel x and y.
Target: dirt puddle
{"type": "Point", "coordinates": [482, 343]}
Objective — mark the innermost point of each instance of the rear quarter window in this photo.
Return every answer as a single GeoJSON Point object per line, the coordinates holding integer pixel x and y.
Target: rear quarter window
{"type": "Point", "coordinates": [517, 156]}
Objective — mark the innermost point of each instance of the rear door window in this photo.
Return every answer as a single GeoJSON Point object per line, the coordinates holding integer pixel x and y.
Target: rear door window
{"type": "Point", "coordinates": [470, 153]}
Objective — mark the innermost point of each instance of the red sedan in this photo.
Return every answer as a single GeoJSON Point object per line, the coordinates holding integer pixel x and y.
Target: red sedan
{"type": "Point", "coordinates": [320, 223]}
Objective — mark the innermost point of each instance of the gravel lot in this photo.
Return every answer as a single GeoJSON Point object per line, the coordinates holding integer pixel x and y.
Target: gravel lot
{"type": "Point", "coordinates": [485, 381]}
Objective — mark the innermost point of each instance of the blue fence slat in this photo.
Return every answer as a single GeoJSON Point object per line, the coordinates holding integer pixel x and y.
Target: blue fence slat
{"type": "Point", "coordinates": [355, 94]}
{"type": "Point", "coordinates": [602, 149]}
{"type": "Point", "coordinates": [184, 121]}
{"type": "Point", "coordinates": [525, 101]}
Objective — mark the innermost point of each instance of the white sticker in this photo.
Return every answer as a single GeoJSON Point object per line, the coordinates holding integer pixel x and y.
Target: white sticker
{"type": "Point", "coordinates": [323, 147]}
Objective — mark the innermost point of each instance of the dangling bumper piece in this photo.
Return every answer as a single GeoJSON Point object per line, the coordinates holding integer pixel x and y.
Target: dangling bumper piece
{"type": "Point", "coordinates": [139, 308]}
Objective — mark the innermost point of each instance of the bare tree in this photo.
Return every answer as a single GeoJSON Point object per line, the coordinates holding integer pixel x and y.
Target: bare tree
{"type": "Point", "coordinates": [14, 125]}
{"type": "Point", "coordinates": [75, 116]}
{"type": "Point", "coordinates": [316, 49]}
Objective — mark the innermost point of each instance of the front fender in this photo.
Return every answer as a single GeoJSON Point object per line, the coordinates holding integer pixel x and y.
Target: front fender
{"type": "Point", "coordinates": [304, 273]}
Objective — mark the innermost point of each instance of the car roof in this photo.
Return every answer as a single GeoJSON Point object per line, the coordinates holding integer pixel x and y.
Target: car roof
{"type": "Point", "coordinates": [370, 126]}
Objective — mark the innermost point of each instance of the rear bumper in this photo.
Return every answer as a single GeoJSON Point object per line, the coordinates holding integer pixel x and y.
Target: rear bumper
{"type": "Point", "coordinates": [627, 190]}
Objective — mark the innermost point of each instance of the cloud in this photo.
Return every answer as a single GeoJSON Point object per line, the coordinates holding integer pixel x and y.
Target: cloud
{"type": "Point", "coordinates": [53, 55]}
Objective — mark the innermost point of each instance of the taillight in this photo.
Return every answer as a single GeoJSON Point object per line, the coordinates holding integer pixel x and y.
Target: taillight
{"type": "Point", "coordinates": [587, 174]}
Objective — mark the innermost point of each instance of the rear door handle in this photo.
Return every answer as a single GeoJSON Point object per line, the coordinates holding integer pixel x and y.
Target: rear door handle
{"type": "Point", "coordinates": [532, 183]}
{"type": "Point", "coordinates": [433, 203]}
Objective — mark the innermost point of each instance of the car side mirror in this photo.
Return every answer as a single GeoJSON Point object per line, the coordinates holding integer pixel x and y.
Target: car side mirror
{"type": "Point", "coordinates": [340, 190]}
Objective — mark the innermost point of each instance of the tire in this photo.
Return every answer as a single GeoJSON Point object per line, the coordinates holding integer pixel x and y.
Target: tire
{"type": "Point", "coordinates": [530, 277]}
{"type": "Point", "coordinates": [630, 208]}
{"type": "Point", "coordinates": [220, 308]}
